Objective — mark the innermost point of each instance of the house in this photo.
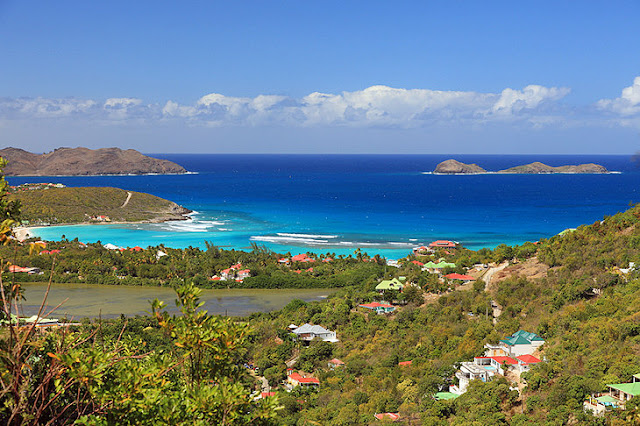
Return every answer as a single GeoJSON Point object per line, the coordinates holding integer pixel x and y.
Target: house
{"type": "Point", "coordinates": [394, 284]}
{"type": "Point", "coordinates": [404, 363]}
{"type": "Point", "coordinates": [301, 379]}
{"type": "Point", "coordinates": [335, 363]}
{"type": "Point", "coordinates": [442, 244]}
{"type": "Point", "coordinates": [226, 274]}
{"type": "Point", "coordinates": [417, 262]}
{"type": "Point", "coordinates": [393, 262]}
{"type": "Point", "coordinates": [470, 371]}
{"type": "Point", "coordinates": [302, 258]}
{"type": "Point", "coordinates": [440, 265]}
{"type": "Point", "coordinates": [422, 250]}
{"type": "Point", "coordinates": [525, 362]}
{"type": "Point", "coordinates": [26, 270]}
{"type": "Point", "coordinates": [327, 260]}
{"type": "Point", "coordinates": [308, 332]}
{"type": "Point", "coordinates": [283, 260]}
{"type": "Point", "coordinates": [461, 277]}
{"type": "Point", "coordinates": [495, 363]}
{"type": "Point", "coordinates": [394, 417]}
{"type": "Point", "coordinates": [380, 308]}
{"type": "Point", "coordinates": [519, 343]}
{"type": "Point", "coordinates": [618, 395]}
{"type": "Point", "coordinates": [245, 273]}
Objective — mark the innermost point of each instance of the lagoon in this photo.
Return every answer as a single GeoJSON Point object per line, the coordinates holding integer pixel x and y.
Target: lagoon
{"type": "Point", "coordinates": [94, 300]}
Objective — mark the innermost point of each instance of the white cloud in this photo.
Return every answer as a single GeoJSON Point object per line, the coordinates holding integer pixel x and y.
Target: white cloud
{"type": "Point", "coordinates": [628, 104]}
{"type": "Point", "coordinates": [373, 106]}
{"type": "Point", "coordinates": [514, 101]}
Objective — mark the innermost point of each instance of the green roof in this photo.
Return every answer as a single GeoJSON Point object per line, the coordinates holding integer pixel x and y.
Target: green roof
{"type": "Point", "coordinates": [444, 264]}
{"type": "Point", "coordinates": [607, 398]}
{"type": "Point", "coordinates": [430, 265]}
{"type": "Point", "coordinates": [445, 395]}
{"type": "Point", "coordinates": [533, 337]}
{"type": "Point", "coordinates": [629, 388]}
{"type": "Point", "coordinates": [393, 284]}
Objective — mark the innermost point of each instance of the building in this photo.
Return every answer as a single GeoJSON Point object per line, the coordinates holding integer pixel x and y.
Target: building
{"type": "Point", "coordinates": [386, 285]}
{"type": "Point", "coordinates": [308, 332]}
{"type": "Point", "coordinates": [380, 308]}
{"type": "Point", "coordinates": [301, 379]}
{"type": "Point", "coordinates": [519, 343]}
{"type": "Point", "coordinates": [394, 417]}
{"type": "Point", "coordinates": [335, 363]}
{"type": "Point", "coordinates": [616, 397]}
{"type": "Point", "coordinates": [460, 277]}
{"type": "Point", "coordinates": [442, 244]}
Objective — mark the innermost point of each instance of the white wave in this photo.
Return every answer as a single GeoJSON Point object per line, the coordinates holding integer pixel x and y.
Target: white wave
{"type": "Point", "coordinates": [294, 235]}
{"type": "Point", "coordinates": [281, 240]}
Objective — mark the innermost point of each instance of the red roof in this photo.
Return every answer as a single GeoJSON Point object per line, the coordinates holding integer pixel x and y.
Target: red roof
{"type": "Point", "coordinates": [404, 363]}
{"type": "Point", "coordinates": [300, 379]}
{"type": "Point", "coordinates": [54, 251]}
{"type": "Point", "coordinates": [374, 305]}
{"type": "Point", "coordinates": [237, 266]}
{"type": "Point", "coordinates": [298, 271]}
{"type": "Point", "coordinates": [416, 262]}
{"type": "Point", "coordinates": [459, 277]}
{"type": "Point", "coordinates": [266, 394]}
{"type": "Point", "coordinates": [391, 416]}
{"type": "Point", "coordinates": [299, 257]}
{"type": "Point", "coordinates": [310, 270]}
{"type": "Point", "coordinates": [136, 248]}
{"type": "Point", "coordinates": [45, 252]}
{"type": "Point", "coordinates": [442, 243]}
{"type": "Point", "coordinates": [503, 359]}
{"type": "Point", "coordinates": [528, 359]}
{"type": "Point", "coordinates": [327, 259]}
{"type": "Point", "coordinates": [336, 361]}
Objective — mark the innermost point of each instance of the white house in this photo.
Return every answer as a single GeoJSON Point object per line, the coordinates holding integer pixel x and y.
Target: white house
{"type": "Point", "coordinates": [309, 332]}
{"type": "Point", "coordinates": [519, 343]}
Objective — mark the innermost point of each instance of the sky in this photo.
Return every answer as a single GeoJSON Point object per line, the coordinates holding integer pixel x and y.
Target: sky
{"type": "Point", "coordinates": [428, 77]}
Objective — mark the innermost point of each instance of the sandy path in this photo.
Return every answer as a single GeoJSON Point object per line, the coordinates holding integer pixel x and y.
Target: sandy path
{"type": "Point", "coordinates": [126, 201]}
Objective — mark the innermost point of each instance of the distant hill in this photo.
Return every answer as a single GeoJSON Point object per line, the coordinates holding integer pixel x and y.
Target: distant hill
{"type": "Point", "coordinates": [456, 167]}
{"type": "Point", "coordinates": [84, 162]}
{"type": "Point", "coordinates": [93, 205]}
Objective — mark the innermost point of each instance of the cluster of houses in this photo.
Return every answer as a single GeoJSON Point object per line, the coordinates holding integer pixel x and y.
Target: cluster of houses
{"type": "Point", "coordinates": [233, 273]}
{"type": "Point", "coordinates": [35, 186]}
{"type": "Point", "coordinates": [616, 397]}
{"type": "Point", "coordinates": [514, 353]}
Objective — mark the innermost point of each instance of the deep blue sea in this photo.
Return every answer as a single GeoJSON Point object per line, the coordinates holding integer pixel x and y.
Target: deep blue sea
{"type": "Point", "coordinates": [380, 203]}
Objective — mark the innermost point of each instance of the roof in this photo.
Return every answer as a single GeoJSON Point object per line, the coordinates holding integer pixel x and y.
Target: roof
{"type": "Point", "coordinates": [336, 361]}
{"type": "Point", "coordinates": [442, 243]}
{"type": "Point", "coordinates": [417, 262]}
{"type": "Point", "coordinates": [629, 388]}
{"type": "Point", "coordinates": [308, 328]}
{"type": "Point", "coordinates": [528, 335]}
{"type": "Point", "coordinates": [430, 265]}
{"type": "Point", "coordinates": [393, 284]}
{"type": "Point", "coordinates": [300, 379]}
{"type": "Point", "coordinates": [528, 359]}
{"type": "Point", "coordinates": [522, 337]}
{"type": "Point", "coordinates": [299, 257]}
{"type": "Point", "coordinates": [606, 398]}
{"type": "Point", "coordinates": [404, 363]}
{"type": "Point", "coordinates": [459, 277]}
{"type": "Point", "coordinates": [391, 416]}
{"type": "Point", "coordinates": [503, 359]}
{"type": "Point", "coordinates": [445, 395]}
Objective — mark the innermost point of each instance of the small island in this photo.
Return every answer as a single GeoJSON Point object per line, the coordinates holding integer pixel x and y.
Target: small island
{"type": "Point", "coordinates": [449, 167]}
{"type": "Point", "coordinates": [85, 162]}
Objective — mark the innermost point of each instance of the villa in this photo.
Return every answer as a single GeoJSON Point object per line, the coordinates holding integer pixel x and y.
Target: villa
{"type": "Point", "coordinates": [618, 395]}
{"type": "Point", "coordinates": [301, 379]}
{"type": "Point", "coordinates": [380, 308]}
{"type": "Point", "coordinates": [308, 332]}
{"type": "Point", "coordinates": [335, 363]}
{"type": "Point", "coordinates": [460, 277]}
{"type": "Point", "coordinates": [486, 367]}
{"type": "Point", "coordinates": [519, 343]}
{"type": "Point", "coordinates": [394, 284]}
{"type": "Point", "coordinates": [442, 244]}
{"type": "Point", "coordinates": [302, 258]}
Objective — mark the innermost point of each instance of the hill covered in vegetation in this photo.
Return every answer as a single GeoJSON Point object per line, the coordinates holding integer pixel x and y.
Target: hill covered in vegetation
{"type": "Point", "coordinates": [92, 205]}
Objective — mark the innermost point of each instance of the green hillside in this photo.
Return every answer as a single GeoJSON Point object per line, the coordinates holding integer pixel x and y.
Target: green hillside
{"type": "Point", "coordinates": [79, 205]}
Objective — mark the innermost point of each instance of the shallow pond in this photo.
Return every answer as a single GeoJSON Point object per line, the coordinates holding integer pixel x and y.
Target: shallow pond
{"type": "Point", "coordinates": [93, 300]}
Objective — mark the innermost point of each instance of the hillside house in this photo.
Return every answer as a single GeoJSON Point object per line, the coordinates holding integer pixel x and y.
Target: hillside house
{"type": "Point", "coordinates": [295, 379]}
{"type": "Point", "coordinates": [386, 285]}
{"type": "Point", "coordinates": [394, 417]}
{"type": "Point", "coordinates": [308, 332]}
{"type": "Point", "coordinates": [470, 371]}
{"type": "Point", "coordinates": [519, 343]}
{"type": "Point", "coordinates": [616, 397]}
{"type": "Point", "coordinates": [335, 363]}
{"type": "Point", "coordinates": [442, 244]}
{"type": "Point", "coordinates": [380, 308]}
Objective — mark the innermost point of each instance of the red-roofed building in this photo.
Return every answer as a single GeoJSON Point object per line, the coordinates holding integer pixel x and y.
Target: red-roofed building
{"type": "Point", "coordinates": [299, 257]}
{"type": "Point", "coordinates": [226, 274]}
{"type": "Point", "coordinates": [417, 262]}
{"type": "Point", "coordinates": [245, 273]}
{"type": "Point", "coordinates": [283, 260]}
{"type": "Point", "coordinates": [215, 278]}
{"type": "Point", "coordinates": [297, 379]}
{"type": "Point", "coordinates": [525, 362]}
{"type": "Point", "coordinates": [394, 417]}
{"type": "Point", "coordinates": [496, 362]}
{"type": "Point", "coordinates": [335, 363]}
{"type": "Point", "coordinates": [267, 394]}
{"type": "Point", "coordinates": [442, 244]}
{"type": "Point", "coordinates": [136, 248]}
{"type": "Point", "coordinates": [310, 270]}
{"type": "Point", "coordinates": [422, 250]}
{"type": "Point", "coordinates": [380, 308]}
{"type": "Point", "coordinates": [404, 363]}
{"type": "Point", "coordinates": [327, 259]}
{"type": "Point", "coordinates": [237, 266]}
{"type": "Point", "coordinates": [460, 277]}
{"type": "Point", "coordinates": [54, 251]}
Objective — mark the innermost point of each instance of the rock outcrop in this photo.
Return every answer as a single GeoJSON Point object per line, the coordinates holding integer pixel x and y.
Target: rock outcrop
{"type": "Point", "coordinates": [84, 162]}
{"type": "Point", "coordinates": [456, 167]}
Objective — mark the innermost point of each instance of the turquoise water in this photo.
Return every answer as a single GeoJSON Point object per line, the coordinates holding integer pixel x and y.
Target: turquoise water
{"type": "Point", "coordinates": [381, 204]}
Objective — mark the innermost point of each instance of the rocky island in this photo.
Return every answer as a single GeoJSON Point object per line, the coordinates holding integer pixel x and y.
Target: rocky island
{"type": "Point", "coordinates": [456, 167]}
{"type": "Point", "coordinates": [84, 162]}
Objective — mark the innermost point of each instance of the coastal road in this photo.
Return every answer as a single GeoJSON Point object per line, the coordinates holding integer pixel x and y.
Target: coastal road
{"type": "Point", "coordinates": [487, 280]}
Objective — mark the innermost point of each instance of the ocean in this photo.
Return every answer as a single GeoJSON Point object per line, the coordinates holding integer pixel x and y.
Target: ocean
{"type": "Point", "coordinates": [383, 204]}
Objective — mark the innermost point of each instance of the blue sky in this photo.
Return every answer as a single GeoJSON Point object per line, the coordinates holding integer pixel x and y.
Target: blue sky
{"type": "Point", "coordinates": [285, 76]}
